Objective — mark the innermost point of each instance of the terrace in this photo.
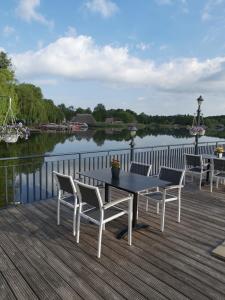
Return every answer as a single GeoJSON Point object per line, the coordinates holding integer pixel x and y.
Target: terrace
{"type": "Point", "coordinates": [41, 260]}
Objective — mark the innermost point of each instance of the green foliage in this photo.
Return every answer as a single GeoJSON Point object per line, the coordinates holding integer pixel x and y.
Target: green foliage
{"type": "Point", "coordinates": [7, 86]}
{"type": "Point", "coordinates": [99, 113]}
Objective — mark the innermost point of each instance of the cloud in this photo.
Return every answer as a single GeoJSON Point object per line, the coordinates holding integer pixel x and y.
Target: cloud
{"type": "Point", "coordinates": [182, 3]}
{"type": "Point", "coordinates": [71, 31]}
{"type": "Point", "coordinates": [27, 11]}
{"type": "Point", "coordinates": [209, 9]}
{"type": "Point", "coordinates": [8, 30]}
{"type": "Point", "coordinates": [106, 8]}
{"type": "Point", "coordinates": [140, 98]}
{"type": "Point", "coordinates": [143, 46]}
{"type": "Point", "coordinates": [164, 2]}
{"type": "Point", "coordinates": [80, 58]}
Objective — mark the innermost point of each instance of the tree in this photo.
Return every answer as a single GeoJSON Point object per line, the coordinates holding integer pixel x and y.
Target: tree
{"type": "Point", "coordinates": [7, 85]}
{"type": "Point", "coordinates": [5, 62]}
{"type": "Point", "coordinates": [99, 113]}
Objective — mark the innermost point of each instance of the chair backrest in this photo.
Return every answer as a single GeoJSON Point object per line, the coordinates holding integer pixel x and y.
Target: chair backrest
{"type": "Point", "coordinates": [140, 168]}
{"type": "Point", "coordinates": [193, 160]}
{"type": "Point", "coordinates": [89, 194]}
{"type": "Point", "coordinates": [174, 176]}
{"type": "Point", "coordinates": [219, 164]}
{"type": "Point", "coordinates": [65, 183]}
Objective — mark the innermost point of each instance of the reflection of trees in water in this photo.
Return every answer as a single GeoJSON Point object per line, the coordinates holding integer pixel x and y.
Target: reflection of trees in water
{"type": "Point", "coordinates": [38, 144]}
{"type": "Point", "coordinates": [155, 131]}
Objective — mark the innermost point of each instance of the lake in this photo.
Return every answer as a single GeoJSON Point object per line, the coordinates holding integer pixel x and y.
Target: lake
{"type": "Point", "coordinates": [27, 180]}
{"type": "Point", "coordinates": [96, 140]}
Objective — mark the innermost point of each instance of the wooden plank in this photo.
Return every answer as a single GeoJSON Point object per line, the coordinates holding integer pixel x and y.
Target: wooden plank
{"type": "Point", "coordinates": [117, 272]}
{"type": "Point", "coordinates": [114, 245]}
{"type": "Point", "coordinates": [52, 252]}
{"type": "Point", "coordinates": [211, 292]}
{"type": "Point", "coordinates": [5, 291]}
{"type": "Point", "coordinates": [55, 273]}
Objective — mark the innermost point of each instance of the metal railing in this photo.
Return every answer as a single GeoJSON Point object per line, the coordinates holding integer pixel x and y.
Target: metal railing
{"type": "Point", "coordinates": [30, 178]}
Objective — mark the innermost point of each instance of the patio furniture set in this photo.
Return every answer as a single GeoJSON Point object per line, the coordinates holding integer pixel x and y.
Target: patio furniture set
{"type": "Point", "coordinates": [87, 201]}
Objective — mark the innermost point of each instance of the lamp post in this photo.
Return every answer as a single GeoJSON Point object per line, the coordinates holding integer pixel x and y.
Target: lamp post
{"type": "Point", "coordinates": [199, 101]}
{"type": "Point", "coordinates": [133, 131]}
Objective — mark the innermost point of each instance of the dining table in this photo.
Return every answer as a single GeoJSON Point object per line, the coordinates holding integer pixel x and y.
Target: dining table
{"type": "Point", "coordinates": [129, 182]}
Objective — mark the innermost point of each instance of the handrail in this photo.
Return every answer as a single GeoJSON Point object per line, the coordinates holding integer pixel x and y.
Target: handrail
{"type": "Point", "coordinates": [103, 151]}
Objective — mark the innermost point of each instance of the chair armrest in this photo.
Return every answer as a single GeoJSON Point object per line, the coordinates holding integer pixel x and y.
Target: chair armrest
{"type": "Point", "coordinates": [173, 187]}
{"type": "Point", "coordinates": [115, 202]}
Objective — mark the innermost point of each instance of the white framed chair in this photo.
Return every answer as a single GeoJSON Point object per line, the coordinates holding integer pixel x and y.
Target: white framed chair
{"type": "Point", "coordinates": [141, 169]}
{"type": "Point", "coordinates": [67, 195]}
{"type": "Point", "coordinates": [217, 171]}
{"type": "Point", "coordinates": [103, 213]}
{"type": "Point", "coordinates": [195, 165]}
{"type": "Point", "coordinates": [162, 196]}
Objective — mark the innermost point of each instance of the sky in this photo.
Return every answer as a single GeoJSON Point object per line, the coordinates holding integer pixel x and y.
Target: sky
{"type": "Point", "coordinates": [151, 56]}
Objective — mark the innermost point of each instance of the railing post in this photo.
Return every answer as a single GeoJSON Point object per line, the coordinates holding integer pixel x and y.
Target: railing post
{"type": "Point", "coordinates": [6, 185]}
{"type": "Point", "coordinates": [168, 155]}
{"type": "Point", "coordinates": [79, 164]}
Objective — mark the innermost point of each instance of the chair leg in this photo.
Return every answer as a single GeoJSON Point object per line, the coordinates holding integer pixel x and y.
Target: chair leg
{"type": "Point", "coordinates": [200, 182]}
{"type": "Point", "coordinates": [74, 220]}
{"type": "Point", "coordinates": [130, 218]}
{"type": "Point", "coordinates": [211, 183]}
{"type": "Point", "coordinates": [58, 213]}
{"type": "Point", "coordinates": [78, 225]}
{"type": "Point", "coordinates": [157, 208]}
{"type": "Point", "coordinates": [179, 206]}
{"type": "Point", "coordinates": [163, 214]}
{"type": "Point", "coordinates": [217, 183]}
{"type": "Point", "coordinates": [146, 207]}
{"type": "Point", "coordinates": [100, 239]}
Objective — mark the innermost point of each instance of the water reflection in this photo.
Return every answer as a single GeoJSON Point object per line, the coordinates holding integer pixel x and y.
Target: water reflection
{"type": "Point", "coordinates": [41, 143]}
{"type": "Point", "coordinates": [22, 178]}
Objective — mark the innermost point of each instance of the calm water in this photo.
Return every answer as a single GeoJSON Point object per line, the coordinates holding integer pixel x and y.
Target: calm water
{"type": "Point", "coordinates": [95, 140]}
{"type": "Point", "coordinates": [32, 179]}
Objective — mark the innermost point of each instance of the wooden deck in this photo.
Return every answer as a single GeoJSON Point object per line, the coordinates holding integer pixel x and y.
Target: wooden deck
{"type": "Point", "coordinates": [40, 260]}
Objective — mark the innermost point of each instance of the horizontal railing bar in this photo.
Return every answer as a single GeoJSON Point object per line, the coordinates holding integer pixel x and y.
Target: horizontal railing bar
{"type": "Point", "coordinates": [103, 151]}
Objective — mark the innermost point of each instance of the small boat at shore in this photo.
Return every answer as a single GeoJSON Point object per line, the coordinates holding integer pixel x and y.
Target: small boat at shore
{"type": "Point", "coordinates": [78, 126]}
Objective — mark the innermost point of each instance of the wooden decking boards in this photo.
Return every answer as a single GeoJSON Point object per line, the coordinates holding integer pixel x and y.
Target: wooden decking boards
{"type": "Point", "coordinates": [40, 260]}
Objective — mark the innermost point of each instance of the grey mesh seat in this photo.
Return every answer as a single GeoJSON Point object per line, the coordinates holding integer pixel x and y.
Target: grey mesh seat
{"type": "Point", "coordinates": [102, 213]}
{"type": "Point", "coordinates": [217, 171]}
{"type": "Point", "coordinates": [194, 165]}
{"type": "Point", "coordinates": [67, 195]}
{"type": "Point", "coordinates": [162, 196]}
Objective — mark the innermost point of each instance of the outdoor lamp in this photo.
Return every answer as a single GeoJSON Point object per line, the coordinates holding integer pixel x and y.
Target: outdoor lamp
{"type": "Point", "coordinates": [200, 100]}
{"type": "Point", "coordinates": [133, 131]}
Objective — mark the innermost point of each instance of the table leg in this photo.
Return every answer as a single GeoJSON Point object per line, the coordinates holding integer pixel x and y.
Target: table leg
{"type": "Point", "coordinates": [106, 192]}
{"type": "Point", "coordinates": [135, 225]}
{"type": "Point", "coordinates": [208, 171]}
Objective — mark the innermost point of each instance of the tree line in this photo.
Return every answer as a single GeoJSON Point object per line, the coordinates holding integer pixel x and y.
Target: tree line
{"type": "Point", "coordinates": [31, 107]}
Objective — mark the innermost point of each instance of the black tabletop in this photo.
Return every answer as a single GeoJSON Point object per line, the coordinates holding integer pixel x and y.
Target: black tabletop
{"type": "Point", "coordinates": [127, 181]}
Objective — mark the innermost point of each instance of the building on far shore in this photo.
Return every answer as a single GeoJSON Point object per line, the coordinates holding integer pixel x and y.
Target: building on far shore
{"type": "Point", "coordinates": [84, 118]}
{"type": "Point", "coordinates": [112, 120]}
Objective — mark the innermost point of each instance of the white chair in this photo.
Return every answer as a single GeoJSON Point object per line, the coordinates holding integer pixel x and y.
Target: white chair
{"type": "Point", "coordinates": [162, 196]}
{"type": "Point", "coordinates": [103, 213]}
{"type": "Point", "coordinates": [67, 195]}
{"type": "Point", "coordinates": [217, 171]}
{"type": "Point", "coordinates": [194, 165]}
{"type": "Point", "coordinates": [141, 169]}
